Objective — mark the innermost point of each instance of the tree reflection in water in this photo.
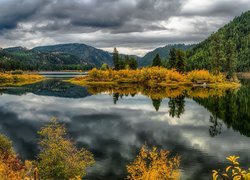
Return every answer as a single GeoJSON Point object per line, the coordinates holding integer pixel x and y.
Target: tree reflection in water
{"type": "Point", "coordinates": [230, 106]}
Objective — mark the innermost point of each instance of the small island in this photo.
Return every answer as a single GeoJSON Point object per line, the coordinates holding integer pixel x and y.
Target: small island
{"type": "Point", "coordinates": [155, 76]}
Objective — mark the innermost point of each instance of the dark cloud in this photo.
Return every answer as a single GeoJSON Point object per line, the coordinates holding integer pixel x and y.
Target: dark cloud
{"type": "Point", "coordinates": [96, 13]}
{"type": "Point", "coordinates": [13, 12]}
{"type": "Point", "coordinates": [219, 8]}
{"type": "Point", "coordinates": [35, 22]}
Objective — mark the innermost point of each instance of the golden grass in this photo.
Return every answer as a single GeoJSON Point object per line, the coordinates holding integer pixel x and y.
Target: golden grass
{"type": "Point", "coordinates": [19, 80]}
{"type": "Point", "coordinates": [155, 76]}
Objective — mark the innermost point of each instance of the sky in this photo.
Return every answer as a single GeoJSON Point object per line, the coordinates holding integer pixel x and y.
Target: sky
{"type": "Point", "coordinates": [133, 26]}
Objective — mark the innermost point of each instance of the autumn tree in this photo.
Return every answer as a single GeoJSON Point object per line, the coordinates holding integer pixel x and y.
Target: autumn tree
{"type": "Point", "coordinates": [154, 164]}
{"type": "Point", "coordinates": [59, 158]}
{"type": "Point", "coordinates": [11, 167]}
{"type": "Point", "coordinates": [157, 61]}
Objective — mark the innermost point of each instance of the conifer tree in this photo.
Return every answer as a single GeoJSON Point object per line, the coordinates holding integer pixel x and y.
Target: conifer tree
{"type": "Point", "coordinates": [157, 61]}
{"type": "Point", "coordinates": [116, 59]}
{"type": "Point", "coordinates": [181, 61]}
{"type": "Point", "coordinates": [172, 58]}
{"type": "Point", "coordinates": [230, 59]}
{"type": "Point", "coordinates": [217, 53]}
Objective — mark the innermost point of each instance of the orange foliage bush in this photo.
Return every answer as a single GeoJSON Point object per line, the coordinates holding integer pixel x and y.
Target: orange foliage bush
{"type": "Point", "coordinates": [154, 164]}
{"type": "Point", "coordinates": [153, 75]}
{"type": "Point", "coordinates": [205, 76]}
{"type": "Point", "coordinates": [11, 167]}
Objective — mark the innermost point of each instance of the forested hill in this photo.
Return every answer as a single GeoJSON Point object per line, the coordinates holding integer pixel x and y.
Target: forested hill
{"type": "Point", "coordinates": [162, 51]}
{"type": "Point", "coordinates": [19, 58]}
{"type": "Point", "coordinates": [235, 36]}
{"type": "Point", "coordinates": [57, 57]}
{"type": "Point", "coordinates": [87, 53]}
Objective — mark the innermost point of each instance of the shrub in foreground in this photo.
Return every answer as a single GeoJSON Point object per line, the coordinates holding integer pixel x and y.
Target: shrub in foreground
{"type": "Point", "coordinates": [154, 164]}
{"type": "Point", "coordinates": [234, 171]}
{"type": "Point", "coordinates": [59, 158]}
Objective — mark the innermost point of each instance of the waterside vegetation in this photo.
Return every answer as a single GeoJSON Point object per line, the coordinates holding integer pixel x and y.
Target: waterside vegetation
{"type": "Point", "coordinates": [154, 76]}
{"type": "Point", "coordinates": [17, 78]}
{"type": "Point", "coordinates": [59, 158]}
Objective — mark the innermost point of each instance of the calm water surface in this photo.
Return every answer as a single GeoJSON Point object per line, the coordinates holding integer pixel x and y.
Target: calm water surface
{"type": "Point", "coordinates": [114, 126]}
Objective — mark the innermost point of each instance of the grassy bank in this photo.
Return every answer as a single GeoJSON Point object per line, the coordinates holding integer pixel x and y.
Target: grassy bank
{"type": "Point", "coordinates": [9, 79]}
{"type": "Point", "coordinates": [154, 76]}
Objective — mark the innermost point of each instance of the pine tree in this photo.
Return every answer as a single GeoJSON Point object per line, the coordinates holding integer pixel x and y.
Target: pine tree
{"type": "Point", "coordinates": [181, 60]}
{"type": "Point", "coordinates": [217, 53]}
{"type": "Point", "coordinates": [116, 59]}
{"type": "Point", "coordinates": [230, 59]}
{"type": "Point", "coordinates": [156, 103]}
{"type": "Point", "coordinates": [157, 61]}
{"type": "Point", "coordinates": [133, 63]}
{"type": "Point", "coordinates": [172, 58]}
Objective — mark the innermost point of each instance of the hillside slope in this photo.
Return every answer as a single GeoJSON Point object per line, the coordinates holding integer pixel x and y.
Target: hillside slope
{"type": "Point", "coordinates": [238, 32]}
{"type": "Point", "coordinates": [24, 59]}
{"type": "Point", "coordinates": [162, 51]}
{"type": "Point", "coordinates": [84, 52]}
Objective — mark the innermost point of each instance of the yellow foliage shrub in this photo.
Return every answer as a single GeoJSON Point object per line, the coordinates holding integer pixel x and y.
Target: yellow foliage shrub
{"type": "Point", "coordinates": [25, 78]}
{"type": "Point", "coordinates": [153, 76]}
{"type": "Point", "coordinates": [233, 171]}
{"type": "Point", "coordinates": [199, 75]}
{"type": "Point", "coordinates": [154, 164]}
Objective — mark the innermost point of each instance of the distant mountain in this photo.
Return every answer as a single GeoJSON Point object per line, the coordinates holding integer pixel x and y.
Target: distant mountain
{"type": "Point", "coordinates": [22, 58]}
{"type": "Point", "coordinates": [237, 32]}
{"type": "Point", "coordinates": [15, 49]}
{"type": "Point", "coordinates": [162, 51]}
{"type": "Point", "coordinates": [55, 57]}
{"type": "Point", "coordinates": [84, 52]}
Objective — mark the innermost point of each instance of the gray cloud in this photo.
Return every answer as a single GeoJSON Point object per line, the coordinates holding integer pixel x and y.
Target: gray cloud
{"type": "Point", "coordinates": [111, 23]}
{"type": "Point", "coordinates": [220, 8]}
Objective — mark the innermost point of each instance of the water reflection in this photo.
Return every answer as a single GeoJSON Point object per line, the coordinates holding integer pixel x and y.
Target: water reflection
{"type": "Point", "coordinates": [176, 106]}
{"type": "Point", "coordinates": [221, 102]}
{"type": "Point", "coordinates": [49, 87]}
{"type": "Point", "coordinates": [114, 123]}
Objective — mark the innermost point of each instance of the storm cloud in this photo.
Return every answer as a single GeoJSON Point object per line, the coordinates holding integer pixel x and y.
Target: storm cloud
{"type": "Point", "coordinates": [134, 26]}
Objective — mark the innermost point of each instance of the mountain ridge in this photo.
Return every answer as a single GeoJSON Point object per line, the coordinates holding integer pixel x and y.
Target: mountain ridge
{"type": "Point", "coordinates": [147, 59]}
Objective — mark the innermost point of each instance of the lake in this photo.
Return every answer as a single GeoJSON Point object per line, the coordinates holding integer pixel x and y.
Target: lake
{"type": "Point", "coordinates": [114, 123]}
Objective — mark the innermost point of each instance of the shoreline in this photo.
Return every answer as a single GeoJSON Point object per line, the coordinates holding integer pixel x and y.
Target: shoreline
{"type": "Point", "coordinates": [19, 79]}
